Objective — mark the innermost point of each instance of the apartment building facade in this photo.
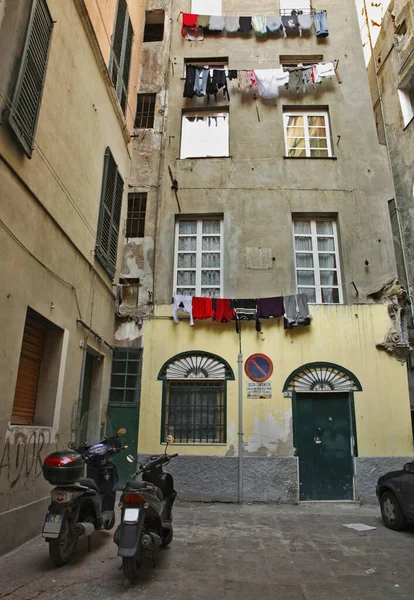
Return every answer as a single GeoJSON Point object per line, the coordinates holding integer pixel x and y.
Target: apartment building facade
{"type": "Point", "coordinates": [257, 195]}
{"type": "Point", "coordinates": [68, 84]}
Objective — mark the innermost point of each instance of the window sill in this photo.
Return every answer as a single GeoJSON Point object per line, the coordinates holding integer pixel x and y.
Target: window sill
{"type": "Point", "coordinates": [311, 157]}
{"type": "Point", "coordinates": [203, 157]}
{"type": "Point", "coordinates": [16, 426]}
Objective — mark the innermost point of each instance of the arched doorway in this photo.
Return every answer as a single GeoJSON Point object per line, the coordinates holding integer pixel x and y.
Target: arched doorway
{"type": "Point", "coordinates": [324, 432]}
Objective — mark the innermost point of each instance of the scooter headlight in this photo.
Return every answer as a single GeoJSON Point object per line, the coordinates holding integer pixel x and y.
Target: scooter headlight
{"type": "Point", "coordinates": [98, 450]}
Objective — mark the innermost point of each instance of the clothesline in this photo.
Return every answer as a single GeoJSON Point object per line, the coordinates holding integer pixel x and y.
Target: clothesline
{"type": "Point", "coordinates": [194, 26]}
{"type": "Point", "coordinates": [293, 308]}
{"type": "Point", "coordinates": [200, 81]}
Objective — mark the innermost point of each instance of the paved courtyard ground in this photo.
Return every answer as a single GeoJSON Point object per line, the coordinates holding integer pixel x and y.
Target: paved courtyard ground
{"type": "Point", "coordinates": [228, 552]}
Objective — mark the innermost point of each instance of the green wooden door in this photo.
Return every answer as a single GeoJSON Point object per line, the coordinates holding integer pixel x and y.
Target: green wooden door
{"type": "Point", "coordinates": [323, 441]}
{"type": "Point", "coordinates": [126, 415]}
{"type": "Point", "coordinates": [124, 404]}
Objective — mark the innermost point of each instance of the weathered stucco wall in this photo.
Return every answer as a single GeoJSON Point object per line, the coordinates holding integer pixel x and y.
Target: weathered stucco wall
{"type": "Point", "coordinates": [49, 218]}
{"type": "Point", "coordinates": [257, 183]}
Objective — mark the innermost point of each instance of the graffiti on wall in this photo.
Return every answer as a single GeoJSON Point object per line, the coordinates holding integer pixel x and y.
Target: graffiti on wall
{"type": "Point", "coordinates": [23, 453]}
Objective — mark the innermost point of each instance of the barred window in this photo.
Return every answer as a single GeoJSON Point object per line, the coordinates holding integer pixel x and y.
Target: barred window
{"type": "Point", "coordinates": [137, 206]}
{"type": "Point", "coordinates": [194, 399]}
{"type": "Point", "coordinates": [144, 118]}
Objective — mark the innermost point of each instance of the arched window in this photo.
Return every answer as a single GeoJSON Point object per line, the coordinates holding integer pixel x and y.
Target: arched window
{"type": "Point", "coordinates": [322, 377]}
{"type": "Point", "coordinates": [194, 398]}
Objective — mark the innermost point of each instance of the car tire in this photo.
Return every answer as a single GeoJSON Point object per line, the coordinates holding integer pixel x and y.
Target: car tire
{"type": "Point", "coordinates": [391, 512]}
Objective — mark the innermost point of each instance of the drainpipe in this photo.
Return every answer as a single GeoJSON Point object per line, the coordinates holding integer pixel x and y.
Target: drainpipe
{"type": "Point", "coordinates": [82, 379]}
{"type": "Point", "coordinates": [240, 434]}
{"type": "Point", "coordinates": [381, 103]}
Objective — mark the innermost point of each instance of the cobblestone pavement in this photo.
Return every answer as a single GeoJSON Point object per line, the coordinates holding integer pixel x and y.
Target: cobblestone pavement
{"type": "Point", "coordinates": [228, 552]}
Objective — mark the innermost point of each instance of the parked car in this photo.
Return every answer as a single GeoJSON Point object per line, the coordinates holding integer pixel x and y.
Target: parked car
{"type": "Point", "coordinates": [395, 492]}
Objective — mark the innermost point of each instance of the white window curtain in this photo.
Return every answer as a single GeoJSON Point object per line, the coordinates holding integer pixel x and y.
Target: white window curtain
{"type": "Point", "coordinates": [206, 7]}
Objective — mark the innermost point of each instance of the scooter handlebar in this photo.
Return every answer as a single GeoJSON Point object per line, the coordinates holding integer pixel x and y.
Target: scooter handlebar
{"type": "Point", "coordinates": [173, 455]}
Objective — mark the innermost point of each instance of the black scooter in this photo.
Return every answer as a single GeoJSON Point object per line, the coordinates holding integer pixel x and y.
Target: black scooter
{"type": "Point", "coordinates": [80, 505]}
{"type": "Point", "coordinates": [146, 513]}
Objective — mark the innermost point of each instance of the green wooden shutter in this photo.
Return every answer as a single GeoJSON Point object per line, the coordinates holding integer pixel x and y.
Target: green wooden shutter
{"type": "Point", "coordinates": [121, 52]}
{"type": "Point", "coordinates": [110, 215]}
{"type": "Point", "coordinates": [27, 95]}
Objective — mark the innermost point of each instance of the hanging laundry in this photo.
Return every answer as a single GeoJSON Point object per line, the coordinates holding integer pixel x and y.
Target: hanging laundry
{"type": "Point", "coordinates": [259, 25]}
{"type": "Point", "coordinates": [290, 23]}
{"type": "Point", "coordinates": [316, 78]}
{"type": "Point", "coordinates": [296, 311]}
{"type": "Point", "coordinates": [184, 304]}
{"type": "Point", "coordinates": [305, 22]}
{"type": "Point", "coordinates": [321, 24]}
{"type": "Point", "coordinates": [253, 79]}
{"type": "Point", "coordinates": [295, 79]}
{"type": "Point", "coordinates": [217, 23]}
{"type": "Point", "coordinates": [246, 310]}
{"type": "Point", "coordinates": [202, 308]}
{"type": "Point", "coordinates": [190, 81]}
{"type": "Point", "coordinates": [245, 85]}
{"type": "Point", "coordinates": [232, 24]}
{"type": "Point", "coordinates": [307, 77]}
{"type": "Point", "coordinates": [274, 24]}
{"type": "Point", "coordinates": [194, 35]}
{"type": "Point", "coordinates": [326, 70]}
{"type": "Point", "coordinates": [232, 74]}
{"type": "Point", "coordinates": [245, 25]}
{"type": "Point", "coordinates": [270, 308]}
{"type": "Point", "coordinates": [223, 310]}
{"type": "Point", "coordinates": [200, 83]}
{"type": "Point", "coordinates": [189, 22]}
{"type": "Point", "coordinates": [269, 82]}
{"type": "Point", "coordinates": [216, 83]}
{"type": "Point", "coordinates": [203, 21]}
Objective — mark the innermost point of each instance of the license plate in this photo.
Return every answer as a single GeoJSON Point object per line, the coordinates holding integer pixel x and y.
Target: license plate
{"type": "Point", "coordinates": [131, 515]}
{"type": "Point", "coordinates": [52, 525]}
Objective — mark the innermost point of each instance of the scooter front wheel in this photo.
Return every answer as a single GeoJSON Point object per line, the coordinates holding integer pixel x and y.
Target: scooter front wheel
{"type": "Point", "coordinates": [130, 566]}
{"type": "Point", "coordinates": [61, 549]}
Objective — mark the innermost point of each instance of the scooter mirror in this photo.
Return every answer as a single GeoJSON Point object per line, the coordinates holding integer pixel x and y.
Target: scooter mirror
{"type": "Point", "coordinates": [121, 432]}
{"type": "Point", "coordinates": [169, 439]}
{"type": "Point", "coordinates": [130, 458]}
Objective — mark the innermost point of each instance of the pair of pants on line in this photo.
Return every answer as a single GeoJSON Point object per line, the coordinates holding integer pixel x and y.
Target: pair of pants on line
{"type": "Point", "coordinates": [200, 85]}
{"type": "Point", "coordinates": [321, 25]}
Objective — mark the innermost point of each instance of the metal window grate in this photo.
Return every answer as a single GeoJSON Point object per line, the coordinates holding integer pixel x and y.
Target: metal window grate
{"type": "Point", "coordinates": [144, 118]}
{"type": "Point", "coordinates": [27, 94]}
{"type": "Point", "coordinates": [126, 376]}
{"type": "Point", "coordinates": [195, 411]}
{"type": "Point", "coordinates": [110, 215]}
{"type": "Point", "coordinates": [137, 206]}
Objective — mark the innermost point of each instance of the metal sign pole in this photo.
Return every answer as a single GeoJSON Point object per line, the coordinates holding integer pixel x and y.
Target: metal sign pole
{"type": "Point", "coordinates": [240, 434]}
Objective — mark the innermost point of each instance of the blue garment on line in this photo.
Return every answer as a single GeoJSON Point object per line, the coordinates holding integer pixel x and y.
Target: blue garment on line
{"type": "Point", "coordinates": [321, 24]}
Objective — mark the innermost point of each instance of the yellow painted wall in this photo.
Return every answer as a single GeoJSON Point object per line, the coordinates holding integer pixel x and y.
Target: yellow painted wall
{"type": "Point", "coordinates": [345, 335]}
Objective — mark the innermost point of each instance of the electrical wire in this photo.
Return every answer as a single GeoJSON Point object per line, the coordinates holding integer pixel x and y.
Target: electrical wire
{"type": "Point", "coordinates": [50, 168]}
{"type": "Point", "coordinates": [48, 269]}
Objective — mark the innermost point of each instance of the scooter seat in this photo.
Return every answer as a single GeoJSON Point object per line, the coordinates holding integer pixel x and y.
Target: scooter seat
{"type": "Point", "coordinates": [145, 485]}
{"type": "Point", "coordinates": [88, 482]}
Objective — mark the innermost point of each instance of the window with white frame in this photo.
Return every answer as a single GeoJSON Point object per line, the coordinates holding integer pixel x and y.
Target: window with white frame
{"type": "Point", "coordinates": [307, 134]}
{"type": "Point", "coordinates": [198, 261]}
{"type": "Point", "coordinates": [406, 98]}
{"type": "Point", "coordinates": [205, 134]}
{"type": "Point", "coordinates": [206, 7]}
{"type": "Point", "coordinates": [286, 5]}
{"type": "Point", "coordinates": [317, 266]}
